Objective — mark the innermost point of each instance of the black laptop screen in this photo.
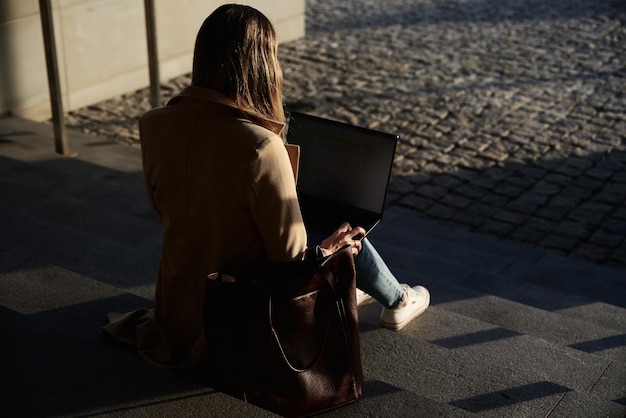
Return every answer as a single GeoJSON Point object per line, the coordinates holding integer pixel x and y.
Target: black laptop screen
{"type": "Point", "coordinates": [342, 163]}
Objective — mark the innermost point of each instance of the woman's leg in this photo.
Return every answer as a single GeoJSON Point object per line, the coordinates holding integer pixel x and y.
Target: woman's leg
{"type": "Point", "coordinates": [374, 277]}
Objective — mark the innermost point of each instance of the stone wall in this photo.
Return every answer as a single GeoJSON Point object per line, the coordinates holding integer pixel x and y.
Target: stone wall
{"type": "Point", "coordinates": [101, 47]}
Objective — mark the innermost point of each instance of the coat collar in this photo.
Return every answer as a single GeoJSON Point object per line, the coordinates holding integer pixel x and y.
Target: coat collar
{"type": "Point", "coordinates": [223, 100]}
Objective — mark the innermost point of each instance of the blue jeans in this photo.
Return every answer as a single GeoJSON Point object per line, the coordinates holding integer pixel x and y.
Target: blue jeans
{"type": "Point", "coordinates": [374, 277]}
{"type": "Point", "coordinates": [372, 274]}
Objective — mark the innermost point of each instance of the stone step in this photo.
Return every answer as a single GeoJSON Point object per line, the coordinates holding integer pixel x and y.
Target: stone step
{"type": "Point", "coordinates": [117, 225]}
{"type": "Point", "coordinates": [476, 366]}
{"type": "Point", "coordinates": [578, 310]}
{"type": "Point", "coordinates": [105, 174]}
{"type": "Point", "coordinates": [55, 361]}
{"type": "Point", "coordinates": [37, 241]}
{"type": "Point", "coordinates": [437, 253]}
{"type": "Point", "coordinates": [51, 323]}
{"type": "Point", "coordinates": [558, 328]}
{"type": "Point", "coordinates": [32, 142]}
{"type": "Point", "coordinates": [567, 318]}
{"type": "Point", "coordinates": [61, 312]}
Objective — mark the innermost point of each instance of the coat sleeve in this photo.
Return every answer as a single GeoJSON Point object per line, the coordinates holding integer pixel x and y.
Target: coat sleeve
{"type": "Point", "coordinates": [271, 196]}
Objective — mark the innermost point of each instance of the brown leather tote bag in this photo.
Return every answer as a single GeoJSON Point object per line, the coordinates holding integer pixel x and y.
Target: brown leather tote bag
{"type": "Point", "coordinates": [285, 337]}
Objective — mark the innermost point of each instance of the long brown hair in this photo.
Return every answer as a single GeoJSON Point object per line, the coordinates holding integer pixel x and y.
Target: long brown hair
{"type": "Point", "coordinates": [236, 53]}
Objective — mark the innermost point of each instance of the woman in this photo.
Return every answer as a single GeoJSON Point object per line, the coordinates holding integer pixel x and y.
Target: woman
{"type": "Point", "coordinates": [218, 175]}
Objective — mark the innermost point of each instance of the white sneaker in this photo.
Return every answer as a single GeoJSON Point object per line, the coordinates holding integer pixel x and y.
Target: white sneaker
{"type": "Point", "coordinates": [361, 297]}
{"type": "Point", "coordinates": [417, 300]}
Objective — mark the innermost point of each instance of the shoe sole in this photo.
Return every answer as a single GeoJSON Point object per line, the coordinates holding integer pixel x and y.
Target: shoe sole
{"type": "Point", "coordinates": [397, 326]}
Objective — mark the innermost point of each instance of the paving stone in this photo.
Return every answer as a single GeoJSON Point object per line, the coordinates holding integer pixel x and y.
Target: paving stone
{"type": "Point", "coordinates": [591, 251]}
{"type": "Point", "coordinates": [527, 235]}
{"type": "Point", "coordinates": [574, 230]}
{"type": "Point", "coordinates": [455, 201]}
{"type": "Point", "coordinates": [559, 242]}
{"type": "Point", "coordinates": [497, 228]}
{"type": "Point", "coordinates": [419, 204]}
{"type": "Point", "coordinates": [606, 239]}
{"type": "Point", "coordinates": [552, 212]}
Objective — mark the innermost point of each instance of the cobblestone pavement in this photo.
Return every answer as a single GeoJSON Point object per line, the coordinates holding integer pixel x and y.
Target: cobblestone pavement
{"type": "Point", "coordinates": [511, 113]}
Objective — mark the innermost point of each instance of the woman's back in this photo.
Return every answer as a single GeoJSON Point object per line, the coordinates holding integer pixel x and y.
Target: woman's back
{"type": "Point", "coordinates": [224, 190]}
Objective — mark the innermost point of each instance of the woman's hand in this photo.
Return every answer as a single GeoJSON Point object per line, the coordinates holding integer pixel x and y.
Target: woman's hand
{"type": "Point", "coordinates": [345, 235]}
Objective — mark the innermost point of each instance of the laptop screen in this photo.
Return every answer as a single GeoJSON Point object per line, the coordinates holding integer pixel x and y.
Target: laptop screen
{"type": "Point", "coordinates": [342, 163]}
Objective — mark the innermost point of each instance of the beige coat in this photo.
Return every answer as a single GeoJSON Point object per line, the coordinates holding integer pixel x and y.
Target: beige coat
{"type": "Point", "coordinates": [224, 189]}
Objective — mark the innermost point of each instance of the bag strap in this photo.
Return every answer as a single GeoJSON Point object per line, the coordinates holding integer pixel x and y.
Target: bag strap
{"type": "Point", "coordinates": [330, 277]}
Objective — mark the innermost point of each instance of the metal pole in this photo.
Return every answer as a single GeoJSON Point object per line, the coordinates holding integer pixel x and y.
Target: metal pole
{"type": "Point", "coordinates": [56, 100]}
{"type": "Point", "coordinates": [153, 55]}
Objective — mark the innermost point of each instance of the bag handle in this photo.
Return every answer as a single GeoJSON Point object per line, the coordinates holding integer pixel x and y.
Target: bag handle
{"type": "Point", "coordinates": [330, 279]}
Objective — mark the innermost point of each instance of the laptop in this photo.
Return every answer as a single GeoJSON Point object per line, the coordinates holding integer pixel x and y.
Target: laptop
{"type": "Point", "coordinates": [343, 173]}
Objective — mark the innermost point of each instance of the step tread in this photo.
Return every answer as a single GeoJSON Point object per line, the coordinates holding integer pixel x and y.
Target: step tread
{"type": "Point", "coordinates": [575, 285]}
{"type": "Point", "coordinates": [508, 374]}
{"type": "Point", "coordinates": [133, 225]}
{"type": "Point", "coordinates": [36, 241]}
{"type": "Point", "coordinates": [63, 307]}
{"type": "Point", "coordinates": [57, 314]}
